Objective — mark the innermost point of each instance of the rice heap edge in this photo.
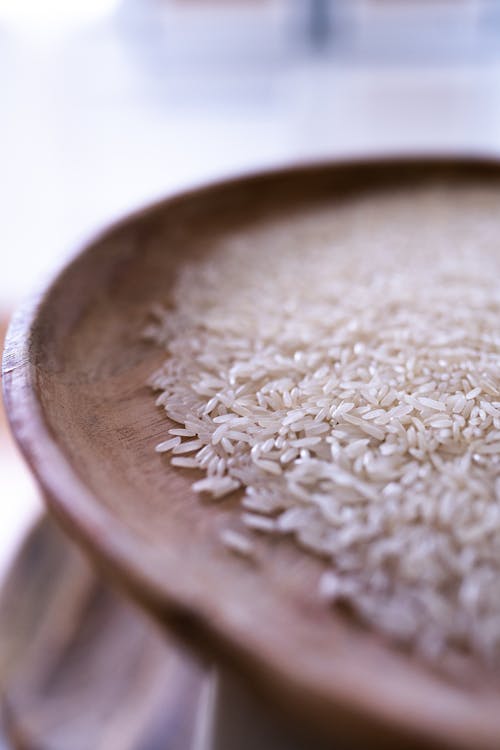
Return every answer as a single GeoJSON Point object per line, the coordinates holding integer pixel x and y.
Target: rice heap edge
{"type": "Point", "coordinates": [343, 369]}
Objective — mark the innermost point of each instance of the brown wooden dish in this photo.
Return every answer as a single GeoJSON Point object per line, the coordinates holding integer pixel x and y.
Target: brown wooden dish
{"type": "Point", "coordinates": [74, 374]}
{"type": "Point", "coordinates": [82, 668]}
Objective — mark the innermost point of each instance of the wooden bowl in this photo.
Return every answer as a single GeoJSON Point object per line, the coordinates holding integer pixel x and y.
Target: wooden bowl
{"type": "Point", "coordinates": [74, 375]}
{"type": "Point", "coordinates": [80, 667]}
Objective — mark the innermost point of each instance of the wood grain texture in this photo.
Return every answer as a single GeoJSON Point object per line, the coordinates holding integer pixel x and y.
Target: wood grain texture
{"type": "Point", "coordinates": [80, 668]}
{"type": "Point", "coordinates": [74, 373]}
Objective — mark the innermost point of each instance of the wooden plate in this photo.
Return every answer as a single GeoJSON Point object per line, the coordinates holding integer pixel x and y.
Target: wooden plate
{"type": "Point", "coordinates": [74, 374]}
{"type": "Point", "coordinates": [80, 667]}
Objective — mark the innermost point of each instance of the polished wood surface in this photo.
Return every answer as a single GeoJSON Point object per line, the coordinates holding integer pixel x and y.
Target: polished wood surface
{"type": "Point", "coordinates": [74, 375]}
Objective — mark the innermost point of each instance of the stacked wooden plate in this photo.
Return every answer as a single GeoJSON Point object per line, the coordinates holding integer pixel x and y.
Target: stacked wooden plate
{"type": "Point", "coordinates": [74, 375]}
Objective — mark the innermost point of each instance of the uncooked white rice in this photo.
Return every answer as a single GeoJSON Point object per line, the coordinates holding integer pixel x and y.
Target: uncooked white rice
{"type": "Point", "coordinates": [343, 368]}
{"type": "Point", "coordinates": [237, 542]}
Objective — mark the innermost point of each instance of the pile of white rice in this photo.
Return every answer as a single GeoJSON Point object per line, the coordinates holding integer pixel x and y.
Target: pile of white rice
{"type": "Point", "coordinates": [343, 368]}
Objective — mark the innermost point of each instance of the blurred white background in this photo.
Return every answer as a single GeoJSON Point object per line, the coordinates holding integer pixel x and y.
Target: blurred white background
{"type": "Point", "coordinates": [105, 104]}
